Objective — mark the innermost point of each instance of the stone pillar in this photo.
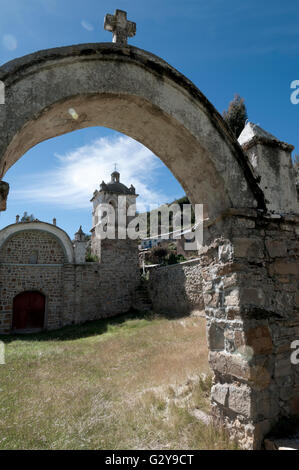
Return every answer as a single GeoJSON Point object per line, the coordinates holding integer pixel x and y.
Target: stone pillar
{"type": "Point", "coordinates": [250, 276]}
{"type": "Point", "coordinates": [272, 163]}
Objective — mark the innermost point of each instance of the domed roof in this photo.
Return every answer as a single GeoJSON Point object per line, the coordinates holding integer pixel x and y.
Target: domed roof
{"type": "Point", "coordinates": [117, 187]}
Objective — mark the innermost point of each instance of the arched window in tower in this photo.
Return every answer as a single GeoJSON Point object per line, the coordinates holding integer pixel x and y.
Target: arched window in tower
{"type": "Point", "coordinates": [115, 177]}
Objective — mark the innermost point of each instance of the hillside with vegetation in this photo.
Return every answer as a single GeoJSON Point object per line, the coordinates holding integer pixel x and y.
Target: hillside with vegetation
{"type": "Point", "coordinates": [181, 201]}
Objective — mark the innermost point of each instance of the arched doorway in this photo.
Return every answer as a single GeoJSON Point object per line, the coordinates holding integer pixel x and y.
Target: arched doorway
{"type": "Point", "coordinates": [28, 311]}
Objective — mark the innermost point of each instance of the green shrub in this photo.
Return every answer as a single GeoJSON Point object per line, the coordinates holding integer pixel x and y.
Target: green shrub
{"type": "Point", "coordinates": [174, 259]}
{"type": "Point", "coordinates": [90, 258]}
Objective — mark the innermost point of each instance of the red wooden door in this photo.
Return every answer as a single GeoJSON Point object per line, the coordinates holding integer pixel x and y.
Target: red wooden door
{"type": "Point", "coordinates": [28, 311]}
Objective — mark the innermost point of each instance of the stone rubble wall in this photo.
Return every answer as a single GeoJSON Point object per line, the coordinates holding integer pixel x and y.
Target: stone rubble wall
{"type": "Point", "coordinates": [247, 275]}
{"type": "Point", "coordinates": [176, 288]}
{"type": "Point", "coordinates": [250, 278]}
{"type": "Point", "coordinates": [15, 279]}
{"type": "Point", "coordinates": [20, 246]}
{"type": "Point", "coordinates": [74, 293]}
{"type": "Point", "coordinates": [108, 288]}
{"type": "Point", "coordinates": [93, 291]}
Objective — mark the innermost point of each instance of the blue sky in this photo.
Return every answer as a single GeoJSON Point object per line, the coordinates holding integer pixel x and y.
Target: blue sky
{"type": "Point", "coordinates": [223, 46]}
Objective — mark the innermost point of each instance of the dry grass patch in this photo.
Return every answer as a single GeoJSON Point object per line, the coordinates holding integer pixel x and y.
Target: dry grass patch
{"type": "Point", "coordinates": [126, 383]}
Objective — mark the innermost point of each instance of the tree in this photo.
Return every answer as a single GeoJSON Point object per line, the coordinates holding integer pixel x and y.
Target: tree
{"type": "Point", "coordinates": [236, 115]}
{"type": "Point", "coordinates": [159, 254]}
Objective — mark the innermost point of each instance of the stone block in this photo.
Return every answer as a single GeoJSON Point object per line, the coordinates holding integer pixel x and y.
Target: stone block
{"type": "Point", "coordinates": [218, 362]}
{"type": "Point", "coordinates": [238, 367]}
{"type": "Point", "coordinates": [284, 268]}
{"type": "Point", "coordinates": [219, 393]}
{"type": "Point", "coordinates": [276, 248]}
{"type": "Point", "coordinates": [283, 366]}
{"type": "Point", "coordinates": [239, 339]}
{"type": "Point", "coordinates": [232, 299]}
{"type": "Point", "coordinates": [230, 281]}
{"type": "Point", "coordinates": [259, 339]}
{"type": "Point", "coordinates": [252, 296]}
{"type": "Point", "coordinates": [215, 337]}
{"type": "Point", "coordinates": [248, 248]}
{"type": "Point", "coordinates": [233, 313]}
{"type": "Point", "coordinates": [239, 399]}
{"type": "Point", "coordinates": [243, 223]}
{"type": "Point", "coordinates": [225, 252]}
{"type": "Point", "coordinates": [230, 364]}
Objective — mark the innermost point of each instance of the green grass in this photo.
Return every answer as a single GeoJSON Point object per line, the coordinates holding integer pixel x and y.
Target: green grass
{"type": "Point", "coordinates": [123, 383]}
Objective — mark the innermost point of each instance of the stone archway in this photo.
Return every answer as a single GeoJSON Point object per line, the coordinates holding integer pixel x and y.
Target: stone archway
{"type": "Point", "coordinates": [53, 92]}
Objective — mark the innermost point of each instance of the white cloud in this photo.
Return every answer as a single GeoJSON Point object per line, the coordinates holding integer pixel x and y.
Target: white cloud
{"type": "Point", "coordinates": [79, 172]}
{"type": "Point", "coordinates": [86, 25]}
{"type": "Point", "coordinates": [10, 42]}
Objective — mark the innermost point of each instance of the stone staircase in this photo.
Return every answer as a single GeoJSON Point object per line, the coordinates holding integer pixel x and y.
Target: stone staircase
{"type": "Point", "coordinates": [142, 300]}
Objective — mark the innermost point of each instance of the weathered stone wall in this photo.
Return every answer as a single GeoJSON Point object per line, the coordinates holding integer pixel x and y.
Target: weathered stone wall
{"type": "Point", "coordinates": [248, 275]}
{"type": "Point", "coordinates": [18, 249]}
{"type": "Point", "coordinates": [108, 288]}
{"type": "Point", "coordinates": [74, 293]}
{"type": "Point", "coordinates": [176, 288]}
{"type": "Point", "coordinates": [15, 279]}
{"type": "Point", "coordinates": [102, 291]}
{"type": "Point", "coordinates": [250, 282]}
{"type": "Point", "coordinates": [18, 275]}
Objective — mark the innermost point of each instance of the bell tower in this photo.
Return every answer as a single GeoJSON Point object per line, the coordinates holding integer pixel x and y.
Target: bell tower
{"type": "Point", "coordinates": [111, 197]}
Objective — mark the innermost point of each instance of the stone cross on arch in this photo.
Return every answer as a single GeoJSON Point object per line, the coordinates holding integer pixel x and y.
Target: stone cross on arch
{"type": "Point", "coordinates": [121, 28]}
